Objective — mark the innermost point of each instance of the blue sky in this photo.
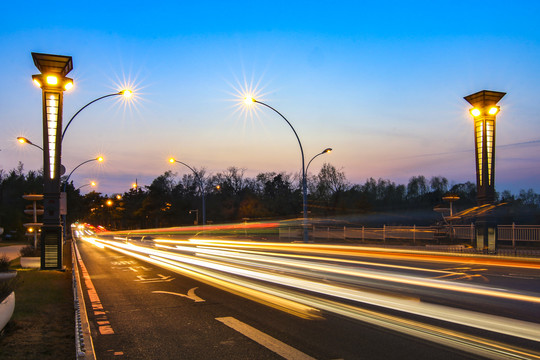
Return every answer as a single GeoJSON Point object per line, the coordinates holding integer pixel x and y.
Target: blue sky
{"type": "Point", "coordinates": [382, 84]}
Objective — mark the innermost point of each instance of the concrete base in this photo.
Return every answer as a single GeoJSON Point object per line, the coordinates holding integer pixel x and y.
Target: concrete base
{"type": "Point", "coordinates": [31, 262]}
{"type": "Point", "coordinates": [6, 310]}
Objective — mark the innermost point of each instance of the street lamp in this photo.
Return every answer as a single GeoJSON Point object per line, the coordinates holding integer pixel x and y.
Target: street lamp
{"type": "Point", "coordinates": [484, 112]}
{"type": "Point", "coordinates": [248, 101]}
{"type": "Point", "coordinates": [92, 184]}
{"type": "Point", "coordinates": [327, 150]}
{"type": "Point", "coordinates": [98, 159]}
{"type": "Point", "coordinates": [201, 185]}
{"type": "Point", "coordinates": [24, 140]}
{"type": "Point", "coordinates": [125, 93]}
{"type": "Point", "coordinates": [63, 196]}
{"type": "Point", "coordinates": [53, 82]}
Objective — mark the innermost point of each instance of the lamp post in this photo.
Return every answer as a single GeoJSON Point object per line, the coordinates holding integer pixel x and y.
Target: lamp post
{"type": "Point", "coordinates": [484, 112]}
{"type": "Point", "coordinates": [98, 159]}
{"type": "Point", "coordinates": [126, 93]}
{"type": "Point", "coordinates": [327, 150]}
{"type": "Point", "coordinates": [24, 140]}
{"type": "Point", "coordinates": [53, 82]}
{"type": "Point", "coordinates": [92, 184]}
{"type": "Point", "coordinates": [249, 100]}
{"type": "Point", "coordinates": [201, 185]}
{"type": "Point", "coordinates": [63, 196]}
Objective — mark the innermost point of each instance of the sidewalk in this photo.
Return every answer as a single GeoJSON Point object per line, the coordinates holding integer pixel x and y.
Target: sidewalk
{"type": "Point", "coordinates": [12, 251]}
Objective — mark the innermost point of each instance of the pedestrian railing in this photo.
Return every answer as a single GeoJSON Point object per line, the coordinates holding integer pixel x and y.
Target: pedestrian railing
{"type": "Point", "coordinates": [422, 234]}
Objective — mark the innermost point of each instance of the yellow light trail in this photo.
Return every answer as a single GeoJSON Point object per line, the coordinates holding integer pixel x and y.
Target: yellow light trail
{"type": "Point", "coordinates": [215, 271]}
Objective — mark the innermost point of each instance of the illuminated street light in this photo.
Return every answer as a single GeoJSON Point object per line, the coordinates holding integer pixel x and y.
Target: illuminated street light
{"type": "Point", "coordinates": [201, 185]}
{"type": "Point", "coordinates": [484, 113]}
{"type": "Point", "coordinates": [53, 82]}
{"type": "Point", "coordinates": [327, 150]}
{"type": "Point", "coordinates": [125, 93]}
{"type": "Point", "coordinates": [98, 159]}
{"type": "Point", "coordinates": [248, 100]}
{"type": "Point", "coordinates": [92, 184]}
{"type": "Point", "coordinates": [24, 140]}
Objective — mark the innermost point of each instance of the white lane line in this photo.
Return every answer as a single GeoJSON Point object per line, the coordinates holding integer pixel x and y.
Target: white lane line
{"type": "Point", "coordinates": [280, 348]}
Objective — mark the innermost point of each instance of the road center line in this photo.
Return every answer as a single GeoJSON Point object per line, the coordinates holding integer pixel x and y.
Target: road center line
{"type": "Point", "coordinates": [280, 348]}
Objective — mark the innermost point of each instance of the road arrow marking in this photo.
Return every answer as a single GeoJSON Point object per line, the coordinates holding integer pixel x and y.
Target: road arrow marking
{"type": "Point", "coordinates": [190, 295]}
{"type": "Point", "coordinates": [161, 278]}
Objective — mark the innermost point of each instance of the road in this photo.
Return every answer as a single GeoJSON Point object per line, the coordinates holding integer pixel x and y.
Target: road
{"type": "Point", "coordinates": [172, 298]}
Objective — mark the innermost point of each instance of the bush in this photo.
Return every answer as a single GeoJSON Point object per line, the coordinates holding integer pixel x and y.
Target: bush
{"type": "Point", "coordinates": [4, 263]}
{"type": "Point", "coordinates": [29, 251]}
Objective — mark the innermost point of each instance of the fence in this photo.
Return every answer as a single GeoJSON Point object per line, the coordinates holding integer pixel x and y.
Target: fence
{"type": "Point", "coordinates": [413, 234]}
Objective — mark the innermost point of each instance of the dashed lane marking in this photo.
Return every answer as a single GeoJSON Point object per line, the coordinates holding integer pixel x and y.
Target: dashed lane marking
{"type": "Point", "coordinates": [280, 348]}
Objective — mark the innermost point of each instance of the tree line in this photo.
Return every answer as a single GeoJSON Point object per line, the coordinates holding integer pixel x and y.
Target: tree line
{"type": "Point", "coordinates": [231, 196]}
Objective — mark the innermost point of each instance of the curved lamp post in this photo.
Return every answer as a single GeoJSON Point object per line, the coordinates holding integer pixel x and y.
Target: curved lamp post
{"type": "Point", "coordinates": [248, 100]}
{"type": "Point", "coordinates": [201, 185]}
{"type": "Point", "coordinates": [125, 93]}
{"type": "Point", "coordinates": [24, 140]}
{"type": "Point", "coordinates": [98, 159]}
{"type": "Point", "coordinates": [93, 183]}
{"type": "Point", "coordinates": [327, 150]}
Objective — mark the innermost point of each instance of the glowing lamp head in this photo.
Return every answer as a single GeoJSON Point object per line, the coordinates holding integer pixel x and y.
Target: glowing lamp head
{"type": "Point", "coordinates": [493, 110]}
{"type": "Point", "coordinates": [51, 80]}
{"type": "Point", "coordinates": [100, 159]}
{"type": "Point", "coordinates": [248, 100]}
{"type": "Point", "coordinates": [134, 185]}
{"type": "Point", "coordinates": [36, 82]}
{"type": "Point", "coordinates": [327, 150]}
{"type": "Point", "coordinates": [68, 85]}
{"type": "Point", "coordinates": [475, 112]}
{"type": "Point", "coordinates": [126, 93]}
{"type": "Point", "coordinates": [22, 140]}
{"type": "Point", "coordinates": [109, 202]}
{"type": "Point", "coordinates": [172, 160]}
{"type": "Point", "coordinates": [93, 183]}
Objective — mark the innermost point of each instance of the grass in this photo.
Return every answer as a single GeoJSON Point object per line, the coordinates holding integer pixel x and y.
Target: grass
{"type": "Point", "coordinates": [42, 326]}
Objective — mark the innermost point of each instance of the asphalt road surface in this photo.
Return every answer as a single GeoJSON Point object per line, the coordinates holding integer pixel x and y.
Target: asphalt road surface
{"type": "Point", "coordinates": [141, 311]}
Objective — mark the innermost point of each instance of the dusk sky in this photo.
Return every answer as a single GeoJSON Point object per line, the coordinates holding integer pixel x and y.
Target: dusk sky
{"type": "Point", "coordinates": [382, 83]}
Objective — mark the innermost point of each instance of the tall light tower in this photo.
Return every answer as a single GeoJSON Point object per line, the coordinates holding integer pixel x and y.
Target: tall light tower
{"type": "Point", "coordinates": [53, 82]}
{"type": "Point", "coordinates": [484, 112]}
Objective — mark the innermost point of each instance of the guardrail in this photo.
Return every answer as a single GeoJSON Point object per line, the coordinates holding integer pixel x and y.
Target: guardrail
{"type": "Point", "coordinates": [513, 234]}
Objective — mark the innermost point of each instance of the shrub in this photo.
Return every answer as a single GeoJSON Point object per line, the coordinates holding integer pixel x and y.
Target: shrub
{"type": "Point", "coordinates": [29, 251]}
{"type": "Point", "coordinates": [4, 263]}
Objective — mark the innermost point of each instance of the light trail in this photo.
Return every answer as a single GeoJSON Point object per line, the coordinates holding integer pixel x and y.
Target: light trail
{"type": "Point", "coordinates": [271, 277]}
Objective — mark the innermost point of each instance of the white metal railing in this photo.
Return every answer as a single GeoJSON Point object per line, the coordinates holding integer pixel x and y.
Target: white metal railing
{"type": "Point", "coordinates": [513, 233]}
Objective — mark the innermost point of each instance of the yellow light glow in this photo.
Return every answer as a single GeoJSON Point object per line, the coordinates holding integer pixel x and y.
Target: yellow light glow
{"type": "Point", "coordinates": [119, 197]}
{"type": "Point", "coordinates": [100, 159]}
{"type": "Point", "coordinates": [21, 140]}
{"type": "Point", "coordinates": [37, 83]}
{"type": "Point", "coordinates": [52, 80]}
{"type": "Point", "coordinates": [68, 85]}
{"type": "Point", "coordinates": [109, 202]}
{"type": "Point", "coordinates": [126, 93]}
{"type": "Point", "coordinates": [93, 183]}
{"type": "Point", "coordinates": [475, 112]}
{"type": "Point", "coordinates": [30, 229]}
{"type": "Point", "coordinates": [248, 100]}
{"type": "Point", "coordinates": [171, 160]}
{"type": "Point", "coordinates": [493, 110]}
{"type": "Point", "coordinates": [134, 185]}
